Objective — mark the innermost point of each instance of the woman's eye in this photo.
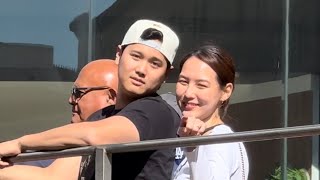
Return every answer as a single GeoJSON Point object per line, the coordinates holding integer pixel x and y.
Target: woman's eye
{"type": "Point", "coordinates": [202, 86]}
{"type": "Point", "coordinates": [183, 82]}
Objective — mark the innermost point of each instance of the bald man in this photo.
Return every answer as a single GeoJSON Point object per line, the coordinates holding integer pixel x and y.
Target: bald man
{"type": "Point", "coordinates": [94, 89]}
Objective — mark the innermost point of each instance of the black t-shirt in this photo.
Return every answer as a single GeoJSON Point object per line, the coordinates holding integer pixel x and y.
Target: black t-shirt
{"type": "Point", "coordinates": [154, 119]}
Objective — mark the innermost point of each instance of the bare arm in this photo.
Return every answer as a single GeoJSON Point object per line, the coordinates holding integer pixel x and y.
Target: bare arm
{"type": "Point", "coordinates": [115, 129]}
{"type": "Point", "coordinates": [22, 172]}
{"type": "Point", "coordinates": [60, 169]}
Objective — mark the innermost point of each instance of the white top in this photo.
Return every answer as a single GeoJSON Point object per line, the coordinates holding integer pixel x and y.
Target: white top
{"type": "Point", "coordinates": [228, 161]}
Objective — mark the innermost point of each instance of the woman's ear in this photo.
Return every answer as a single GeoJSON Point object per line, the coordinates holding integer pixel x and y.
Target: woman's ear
{"type": "Point", "coordinates": [227, 91]}
{"type": "Point", "coordinates": [118, 54]}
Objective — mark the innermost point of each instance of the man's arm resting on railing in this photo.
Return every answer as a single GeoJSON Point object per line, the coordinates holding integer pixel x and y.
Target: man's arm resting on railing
{"type": "Point", "coordinates": [116, 129]}
{"type": "Point", "coordinates": [60, 169]}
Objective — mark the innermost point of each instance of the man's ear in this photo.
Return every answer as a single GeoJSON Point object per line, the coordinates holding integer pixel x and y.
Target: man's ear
{"type": "Point", "coordinates": [118, 54]}
{"type": "Point", "coordinates": [112, 96]}
{"type": "Point", "coordinates": [168, 71]}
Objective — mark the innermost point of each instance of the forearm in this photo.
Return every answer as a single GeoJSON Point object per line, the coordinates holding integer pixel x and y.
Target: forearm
{"type": "Point", "coordinates": [120, 130]}
{"type": "Point", "coordinates": [60, 169]}
{"type": "Point", "coordinates": [71, 135]}
{"type": "Point", "coordinates": [65, 168]}
{"type": "Point", "coordinates": [20, 172]}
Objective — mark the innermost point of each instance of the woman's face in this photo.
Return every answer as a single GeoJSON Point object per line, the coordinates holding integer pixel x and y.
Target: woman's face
{"type": "Point", "coordinates": [198, 92]}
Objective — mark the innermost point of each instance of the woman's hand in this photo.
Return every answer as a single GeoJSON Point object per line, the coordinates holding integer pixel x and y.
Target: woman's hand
{"type": "Point", "coordinates": [191, 126]}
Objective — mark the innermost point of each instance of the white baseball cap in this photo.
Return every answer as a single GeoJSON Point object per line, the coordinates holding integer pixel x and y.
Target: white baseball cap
{"type": "Point", "coordinates": [170, 42]}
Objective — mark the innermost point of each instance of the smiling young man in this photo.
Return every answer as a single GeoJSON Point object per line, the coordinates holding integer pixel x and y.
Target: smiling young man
{"type": "Point", "coordinates": [145, 58]}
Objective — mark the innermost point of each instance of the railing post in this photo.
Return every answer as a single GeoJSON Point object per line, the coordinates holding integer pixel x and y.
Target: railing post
{"type": "Point", "coordinates": [315, 85]}
{"type": "Point", "coordinates": [103, 164]}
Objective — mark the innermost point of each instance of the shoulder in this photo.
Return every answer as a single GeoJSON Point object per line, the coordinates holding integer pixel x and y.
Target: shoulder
{"type": "Point", "coordinates": [148, 105]}
{"type": "Point", "coordinates": [152, 116]}
{"type": "Point", "coordinates": [221, 149]}
{"type": "Point", "coordinates": [102, 113]}
{"type": "Point", "coordinates": [221, 129]}
{"type": "Point", "coordinates": [149, 99]}
{"type": "Point", "coordinates": [170, 98]}
{"type": "Point", "coordinates": [225, 151]}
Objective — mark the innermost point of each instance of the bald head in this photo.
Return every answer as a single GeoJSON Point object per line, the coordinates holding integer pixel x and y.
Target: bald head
{"type": "Point", "coordinates": [97, 85]}
{"type": "Point", "coordinates": [102, 72]}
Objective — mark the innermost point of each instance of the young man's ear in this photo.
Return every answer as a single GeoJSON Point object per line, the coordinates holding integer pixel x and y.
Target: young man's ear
{"type": "Point", "coordinates": [168, 71]}
{"type": "Point", "coordinates": [118, 54]}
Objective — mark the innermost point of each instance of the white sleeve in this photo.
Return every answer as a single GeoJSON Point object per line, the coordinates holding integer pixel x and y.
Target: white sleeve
{"type": "Point", "coordinates": [210, 162]}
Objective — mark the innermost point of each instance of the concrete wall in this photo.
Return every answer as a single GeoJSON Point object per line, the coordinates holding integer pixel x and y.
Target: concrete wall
{"type": "Point", "coordinates": [28, 107]}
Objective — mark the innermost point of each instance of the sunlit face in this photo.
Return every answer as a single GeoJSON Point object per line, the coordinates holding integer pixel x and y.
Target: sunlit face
{"type": "Point", "coordinates": [198, 91]}
{"type": "Point", "coordinates": [142, 70]}
{"type": "Point", "coordinates": [90, 102]}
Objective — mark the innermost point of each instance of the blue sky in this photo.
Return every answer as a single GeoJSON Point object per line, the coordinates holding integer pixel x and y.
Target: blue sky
{"type": "Point", "coordinates": [46, 22]}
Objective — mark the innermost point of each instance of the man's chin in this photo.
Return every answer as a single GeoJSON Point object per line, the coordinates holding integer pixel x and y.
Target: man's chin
{"type": "Point", "coordinates": [136, 90]}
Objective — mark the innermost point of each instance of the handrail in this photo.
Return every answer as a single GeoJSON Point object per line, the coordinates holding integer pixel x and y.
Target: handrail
{"type": "Point", "coordinates": [34, 156]}
{"type": "Point", "coordinates": [244, 136]}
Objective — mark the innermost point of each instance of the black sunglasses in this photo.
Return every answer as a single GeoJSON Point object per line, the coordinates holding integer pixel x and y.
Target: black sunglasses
{"type": "Point", "coordinates": [79, 92]}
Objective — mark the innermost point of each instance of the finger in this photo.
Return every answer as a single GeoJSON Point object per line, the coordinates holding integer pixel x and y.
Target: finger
{"type": "Point", "coordinates": [4, 164]}
{"type": "Point", "coordinates": [198, 127]}
{"type": "Point", "coordinates": [195, 130]}
{"type": "Point", "coordinates": [183, 132]}
{"type": "Point", "coordinates": [180, 132]}
{"type": "Point", "coordinates": [202, 129]}
{"type": "Point", "coordinates": [193, 127]}
{"type": "Point", "coordinates": [190, 126]}
{"type": "Point", "coordinates": [183, 122]}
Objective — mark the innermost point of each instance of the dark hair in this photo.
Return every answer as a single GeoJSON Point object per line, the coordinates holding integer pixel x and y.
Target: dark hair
{"type": "Point", "coordinates": [152, 34]}
{"type": "Point", "coordinates": [221, 62]}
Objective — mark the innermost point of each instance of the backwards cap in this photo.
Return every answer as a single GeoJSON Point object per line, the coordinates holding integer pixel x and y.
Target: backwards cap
{"type": "Point", "coordinates": [169, 45]}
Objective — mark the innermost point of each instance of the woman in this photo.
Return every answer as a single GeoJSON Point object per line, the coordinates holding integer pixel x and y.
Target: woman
{"type": "Point", "coordinates": [204, 86]}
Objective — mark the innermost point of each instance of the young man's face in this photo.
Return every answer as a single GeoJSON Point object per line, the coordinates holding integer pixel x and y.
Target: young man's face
{"type": "Point", "coordinates": [142, 70]}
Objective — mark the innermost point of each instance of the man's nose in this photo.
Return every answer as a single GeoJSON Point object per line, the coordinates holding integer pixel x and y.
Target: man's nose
{"type": "Point", "coordinates": [71, 101]}
{"type": "Point", "coordinates": [141, 69]}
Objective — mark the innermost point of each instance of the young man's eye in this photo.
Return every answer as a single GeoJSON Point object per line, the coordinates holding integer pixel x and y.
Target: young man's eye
{"type": "Point", "coordinates": [156, 64]}
{"type": "Point", "coordinates": [134, 55]}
